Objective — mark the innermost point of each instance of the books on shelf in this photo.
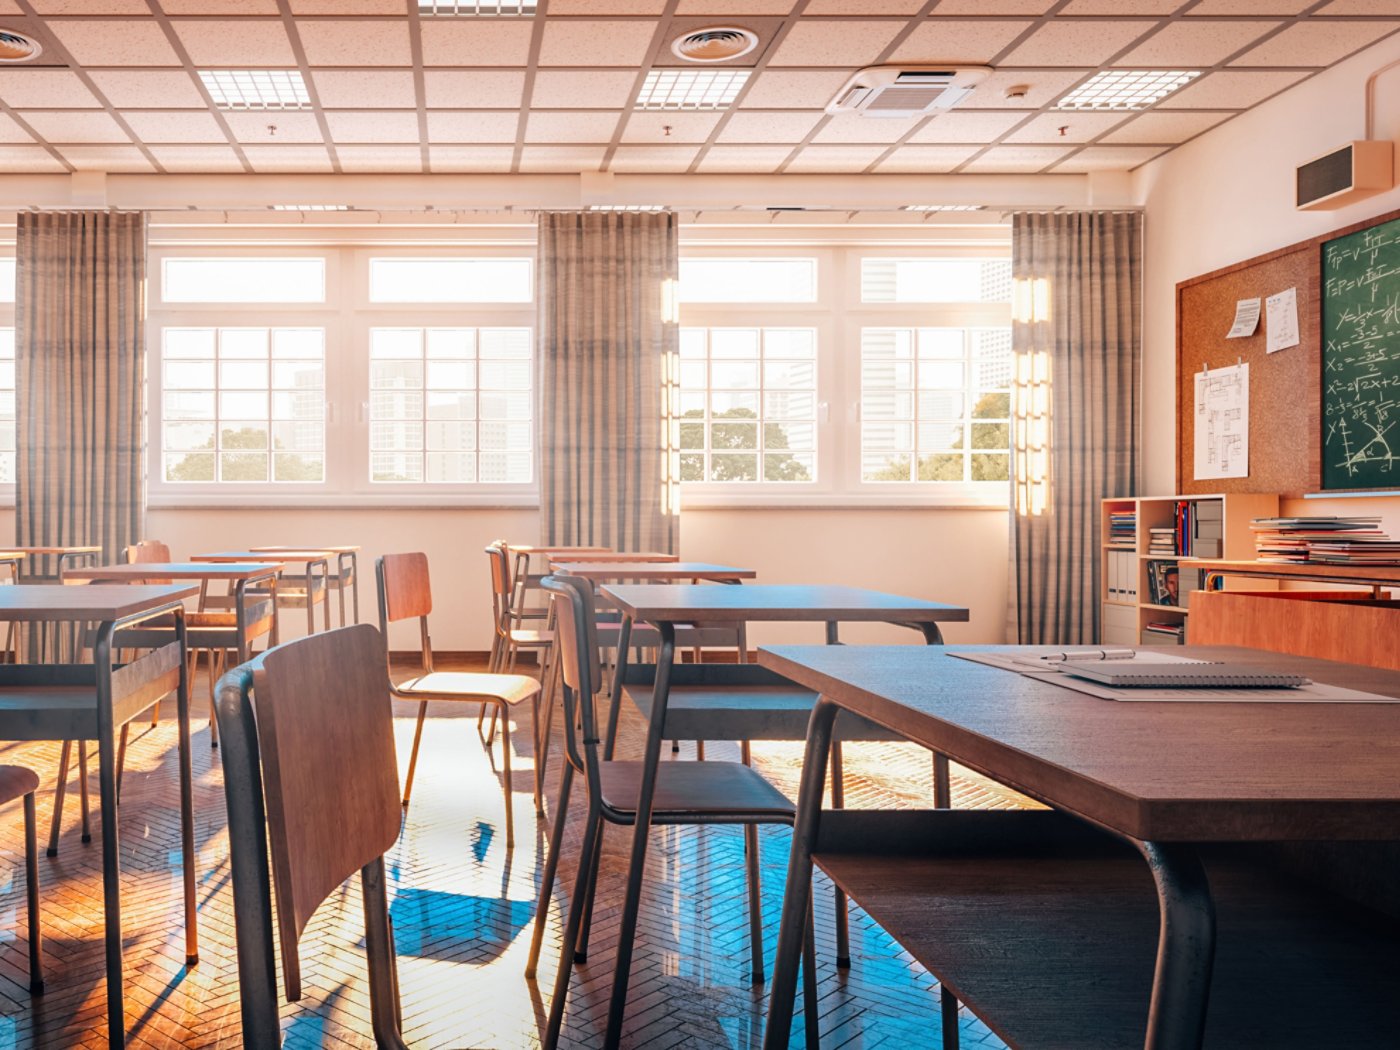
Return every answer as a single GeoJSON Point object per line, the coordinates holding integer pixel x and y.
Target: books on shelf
{"type": "Point", "coordinates": [1164, 633]}
{"type": "Point", "coordinates": [1324, 541]}
{"type": "Point", "coordinates": [1123, 577]}
{"type": "Point", "coordinates": [1122, 528]}
{"type": "Point", "coordinates": [1163, 583]}
{"type": "Point", "coordinates": [1161, 540]}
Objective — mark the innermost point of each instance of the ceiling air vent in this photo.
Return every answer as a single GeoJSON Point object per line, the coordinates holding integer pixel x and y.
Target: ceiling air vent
{"type": "Point", "coordinates": [716, 44]}
{"type": "Point", "coordinates": [16, 47]}
{"type": "Point", "coordinates": [906, 91]}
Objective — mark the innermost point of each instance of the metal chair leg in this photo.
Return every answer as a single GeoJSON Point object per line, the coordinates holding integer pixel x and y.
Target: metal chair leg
{"type": "Point", "coordinates": [83, 791]}
{"type": "Point", "coordinates": [593, 862]}
{"type": "Point", "coordinates": [31, 885]}
{"type": "Point", "coordinates": [505, 776]}
{"type": "Point", "coordinates": [121, 757]}
{"type": "Point", "coordinates": [843, 917]}
{"type": "Point", "coordinates": [379, 950]}
{"type": "Point", "coordinates": [755, 902]}
{"type": "Point", "coordinates": [582, 891]}
{"type": "Point", "coordinates": [413, 755]}
{"type": "Point", "coordinates": [551, 870]}
{"type": "Point", "coordinates": [809, 979]}
{"type": "Point", "coordinates": [60, 789]}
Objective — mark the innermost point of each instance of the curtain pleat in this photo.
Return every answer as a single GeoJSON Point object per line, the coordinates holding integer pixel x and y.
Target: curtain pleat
{"type": "Point", "coordinates": [1085, 269]}
{"type": "Point", "coordinates": [607, 471]}
{"type": "Point", "coordinates": [80, 357]}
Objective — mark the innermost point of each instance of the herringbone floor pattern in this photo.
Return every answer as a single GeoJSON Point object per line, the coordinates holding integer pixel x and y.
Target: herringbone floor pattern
{"type": "Point", "coordinates": [462, 910]}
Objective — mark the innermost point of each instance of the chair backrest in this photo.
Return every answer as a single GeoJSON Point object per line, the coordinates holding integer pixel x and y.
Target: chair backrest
{"type": "Point", "coordinates": [576, 632]}
{"type": "Point", "coordinates": [147, 552]}
{"type": "Point", "coordinates": [325, 731]}
{"type": "Point", "coordinates": [405, 594]}
{"type": "Point", "coordinates": [499, 556]}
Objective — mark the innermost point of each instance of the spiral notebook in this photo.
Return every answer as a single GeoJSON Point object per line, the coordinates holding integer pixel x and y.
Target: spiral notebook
{"type": "Point", "coordinates": [1121, 674]}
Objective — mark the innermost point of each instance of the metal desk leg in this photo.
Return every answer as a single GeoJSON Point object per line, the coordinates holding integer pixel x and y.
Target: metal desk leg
{"type": "Point", "coordinates": [632, 902]}
{"type": "Point", "coordinates": [187, 853]}
{"type": "Point", "coordinates": [325, 594]}
{"type": "Point", "coordinates": [797, 896]}
{"type": "Point", "coordinates": [1185, 947]}
{"type": "Point", "coordinates": [111, 852]}
{"type": "Point", "coordinates": [624, 646]}
{"type": "Point", "coordinates": [838, 801]}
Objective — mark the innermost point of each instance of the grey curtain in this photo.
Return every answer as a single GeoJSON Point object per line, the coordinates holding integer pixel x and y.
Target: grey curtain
{"type": "Point", "coordinates": [606, 363]}
{"type": "Point", "coordinates": [80, 356]}
{"type": "Point", "coordinates": [1077, 336]}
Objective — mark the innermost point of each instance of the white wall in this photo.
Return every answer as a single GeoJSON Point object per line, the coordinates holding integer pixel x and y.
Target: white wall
{"type": "Point", "coordinates": [1228, 196]}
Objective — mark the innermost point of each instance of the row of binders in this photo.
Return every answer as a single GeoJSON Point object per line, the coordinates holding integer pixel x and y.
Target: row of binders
{"type": "Point", "coordinates": [1123, 576]}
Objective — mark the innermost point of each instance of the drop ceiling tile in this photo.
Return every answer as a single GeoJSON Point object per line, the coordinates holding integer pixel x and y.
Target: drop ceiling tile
{"type": "Point", "coordinates": [347, 7]}
{"type": "Point", "coordinates": [606, 7]}
{"type": "Point", "coordinates": [776, 89]}
{"type": "Point", "coordinates": [91, 7]}
{"type": "Point", "coordinates": [995, 7]}
{"type": "Point", "coordinates": [12, 132]}
{"type": "Point", "coordinates": [1076, 43]}
{"type": "Point", "coordinates": [915, 159]}
{"type": "Point", "coordinates": [365, 89]}
{"type": "Point", "coordinates": [1017, 159]}
{"type": "Point", "coordinates": [197, 158]}
{"type": "Point", "coordinates": [476, 42]}
{"type": "Point", "coordinates": [563, 127]}
{"type": "Point", "coordinates": [106, 158]}
{"type": "Point", "coordinates": [1160, 126]}
{"type": "Point", "coordinates": [219, 7]}
{"type": "Point", "coordinates": [74, 126]}
{"type": "Point", "coordinates": [653, 158]}
{"type": "Point", "coordinates": [380, 158]}
{"type": "Point", "coordinates": [835, 158]}
{"type": "Point", "coordinates": [1315, 43]}
{"type": "Point", "coordinates": [743, 159]}
{"type": "Point", "coordinates": [1251, 7]}
{"type": "Point", "coordinates": [445, 126]}
{"type": "Point", "coordinates": [288, 158]}
{"type": "Point", "coordinates": [471, 158]}
{"type": "Point", "coordinates": [964, 126]}
{"type": "Point", "coordinates": [651, 127]}
{"type": "Point", "coordinates": [253, 43]}
{"type": "Point", "coordinates": [292, 127]}
{"type": "Point", "coordinates": [374, 126]}
{"type": "Point", "coordinates": [50, 88]}
{"type": "Point", "coordinates": [561, 158]}
{"type": "Point", "coordinates": [28, 159]}
{"type": "Point", "coordinates": [1108, 158]}
{"type": "Point", "coordinates": [1228, 89]}
{"type": "Point", "coordinates": [847, 127]}
{"type": "Point", "coordinates": [859, 7]}
{"type": "Point", "coordinates": [583, 42]}
{"type": "Point", "coordinates": [174, 127]}
{"type": "Point", "coordinates": [167, 89]}
{"type": "Point", "coordinates": [822, 42]}
{"type": "Point", "coordinates": [959, 40]}
{"type": "Point", "coordinates": [582, 89]}
{"type": "Point", "coordinates": [1079, 127]}
{"type": "Point", "coordinates": [9, 7]}
{"type": "Point", "coordinates": [491, 89]}
{"type": "Point", "coordinates": [1194, 45]}
{"type": "Point", "coordinates": [734, 7]}
{"type": "Point", "coordinates": [769, 127]}
{"type": "Point", "coordinates": [355, 43]}
{"type": "Point", "coordinates": [1045, 86]}
{"type": "Point", "coordinates": [1361, 7]}
{"type": "Point", "coordinates": [1122, 7]}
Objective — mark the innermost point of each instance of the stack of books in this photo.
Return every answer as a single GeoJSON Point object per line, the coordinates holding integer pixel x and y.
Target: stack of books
{"type": "Point", "coordinates": [1163, 633]}
{"type": "Point", "coordinates": [1324, 540]}
{"type": "Point", "coordinates": [1161, 541]}
{"type": "Point", "coordinates": [1122, 528]}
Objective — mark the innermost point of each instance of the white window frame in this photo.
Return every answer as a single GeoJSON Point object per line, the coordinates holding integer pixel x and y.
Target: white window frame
{"type": "Point", "coordinates": [7, 320]}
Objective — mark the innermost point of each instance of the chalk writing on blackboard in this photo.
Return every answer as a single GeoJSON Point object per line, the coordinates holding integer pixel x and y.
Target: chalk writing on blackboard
{"type": "Point", "coordinates": [1361, 359]}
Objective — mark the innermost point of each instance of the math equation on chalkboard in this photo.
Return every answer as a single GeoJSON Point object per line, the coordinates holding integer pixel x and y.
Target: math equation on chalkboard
{"type": "Point", "coordinates": [1361, 359]}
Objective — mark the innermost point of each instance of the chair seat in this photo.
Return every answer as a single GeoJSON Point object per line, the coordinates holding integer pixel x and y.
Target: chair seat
{"type": "Point", "coordinates": [461, 685]}
{"type": "Point", "coordinates": [523, 636]}
{"type": "Point", "coordinates": [688, 790]}
{"type": "Point", "coordinates": [16, 782]}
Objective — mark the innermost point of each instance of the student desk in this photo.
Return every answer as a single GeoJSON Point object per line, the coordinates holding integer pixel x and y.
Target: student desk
{"type": "Point", "coordinates": [317, 584]}
{"type": "Point", "coordinates": [666, 606]}
{"type": "Point", "coordinates": [653, 571]}
{"type": "Point", "coordinates": [1046, 926]}
{"type": "Point", "coordinates": [347, 572]}
{"type": "Point", "coordinates": [88, 702]}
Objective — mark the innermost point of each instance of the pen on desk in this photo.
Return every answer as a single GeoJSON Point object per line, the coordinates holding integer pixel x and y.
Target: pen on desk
{"type": "Point", "coordinates": [1089, 654]}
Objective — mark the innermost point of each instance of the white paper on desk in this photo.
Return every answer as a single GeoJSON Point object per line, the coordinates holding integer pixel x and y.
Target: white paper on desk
{"type": "Point", "coordinates": [1030, 659]}
{"type": "Point", "coordinates": [1281, 320]}
{"type": "Point", "coordinates": [1246, 319]}
{"type": "Point", "coordinates": [1222, 423]}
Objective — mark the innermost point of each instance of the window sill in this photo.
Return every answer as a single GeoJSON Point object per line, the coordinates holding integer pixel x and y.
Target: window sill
{"type": "Point", "coordinates": [841, 501]}
{"type": "Point", "coordinates": [342, 501]}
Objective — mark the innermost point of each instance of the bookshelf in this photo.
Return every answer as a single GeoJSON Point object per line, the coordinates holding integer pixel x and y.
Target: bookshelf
{"type": "Point", "coordinates": [1138, 606]}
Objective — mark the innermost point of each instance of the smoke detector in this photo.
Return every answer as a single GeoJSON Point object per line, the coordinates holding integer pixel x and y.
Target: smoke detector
{"type": "Point", "coordinates": [715, 44]}
{"type": "Point", "coordinates": [16, 47]}
{"type": "Point", "coordinates": [906, 91]}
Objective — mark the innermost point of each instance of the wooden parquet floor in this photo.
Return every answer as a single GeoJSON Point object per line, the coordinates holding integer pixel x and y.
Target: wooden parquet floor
{"type": "Point", "coordinates": [462, 909]}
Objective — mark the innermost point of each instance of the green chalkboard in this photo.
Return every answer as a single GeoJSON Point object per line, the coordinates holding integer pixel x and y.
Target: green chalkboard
{"type": "Point", "coordinates": [1361, 359]}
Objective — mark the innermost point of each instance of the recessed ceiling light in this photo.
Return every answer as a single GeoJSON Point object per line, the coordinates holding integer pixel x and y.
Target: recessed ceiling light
{"type": "Point", "coordinates": [479, 8]}
{"type": "Point", "coordinates": [256, 88]}
{"type": "Point", "coordinates": [1126, 88]}
{"type": "Point", "coordinates": [16, 47]}
{"type": "Point", "coordinates": [691, 88]}
{"type": "Point", "coordinates": [310, 207]}
{"type": "Point", "coordinates": [943, 207]}
{"type": "Point", "coordinates": [627, 207]}
{"type": "Point", "coordinates": [716, 44]}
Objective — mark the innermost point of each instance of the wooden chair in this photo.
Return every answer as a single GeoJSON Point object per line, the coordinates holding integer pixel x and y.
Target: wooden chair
{"type": "Point", "coordinates": [510, 637]}
{"type": "Point", "coordinates": [321, 744]}
{"type": "Point", "coordinates": [19, 782]}
{"type": "Point", "coordinates": [404, 593]}
{"type": "Point", "coordinates": [685, 793]}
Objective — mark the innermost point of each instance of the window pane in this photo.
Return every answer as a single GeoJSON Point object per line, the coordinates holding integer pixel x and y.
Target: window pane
{"type": "Point", "coordinates": [780, 280]}
{"type": "Point", "coordinates": [451, 466]}
{"type": "Point", "coordinates": [450, 280]}
{"type": "Point", "coordinates": [292, 466]}
{"type": "Point", "coordinates": [916, 280]}
{"type": "Point", "coordinates": [189, 342]}
{"type": "Point", "coordinates": [243, 280]}
{"type": "Point", "coordinates": [189, 435]}
{"type": "Point", "coordinates": [190, 467]}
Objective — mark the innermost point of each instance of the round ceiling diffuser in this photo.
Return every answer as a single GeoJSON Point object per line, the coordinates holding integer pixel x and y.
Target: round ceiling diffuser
{"type": "Point", "coordinates": [16, 47]}
{"type": "Point", "coordinates": [716, 44]}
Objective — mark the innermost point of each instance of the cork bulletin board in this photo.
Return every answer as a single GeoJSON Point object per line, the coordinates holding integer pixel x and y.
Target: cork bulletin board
{"type": "Point", "coordinates": [1285, 388]}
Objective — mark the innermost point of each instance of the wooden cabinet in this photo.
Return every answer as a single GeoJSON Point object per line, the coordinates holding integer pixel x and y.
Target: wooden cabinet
{"type": "Point", "coordinates": [1144, 593]}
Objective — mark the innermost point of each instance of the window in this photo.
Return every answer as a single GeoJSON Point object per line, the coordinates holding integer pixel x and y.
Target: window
{"type": "Point", "coordinates": [748, 404]}
{"type": "Point", "coordinates": [7, 406]}
{"type": "Point", "coordinates": [238, 279]}
{"type": "Point", "coordinates": [935, 404]}
{"type": "Point", "coordinates": [243, 404]}
{"type": "Point", "coordinates": [919, 280]}
{"type": "Point", "coordinates": [450, 280]}
{"type": "Point", "coordinates": [450, 405]}
{"type": "Point", "coordinates": [751, 280]}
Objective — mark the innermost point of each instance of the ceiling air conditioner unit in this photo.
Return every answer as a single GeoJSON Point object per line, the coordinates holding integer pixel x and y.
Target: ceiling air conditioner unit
{"type": "Point", "coordinates": [906, 91]}
{"type": "Point", "coordinates": [1359, 169]}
